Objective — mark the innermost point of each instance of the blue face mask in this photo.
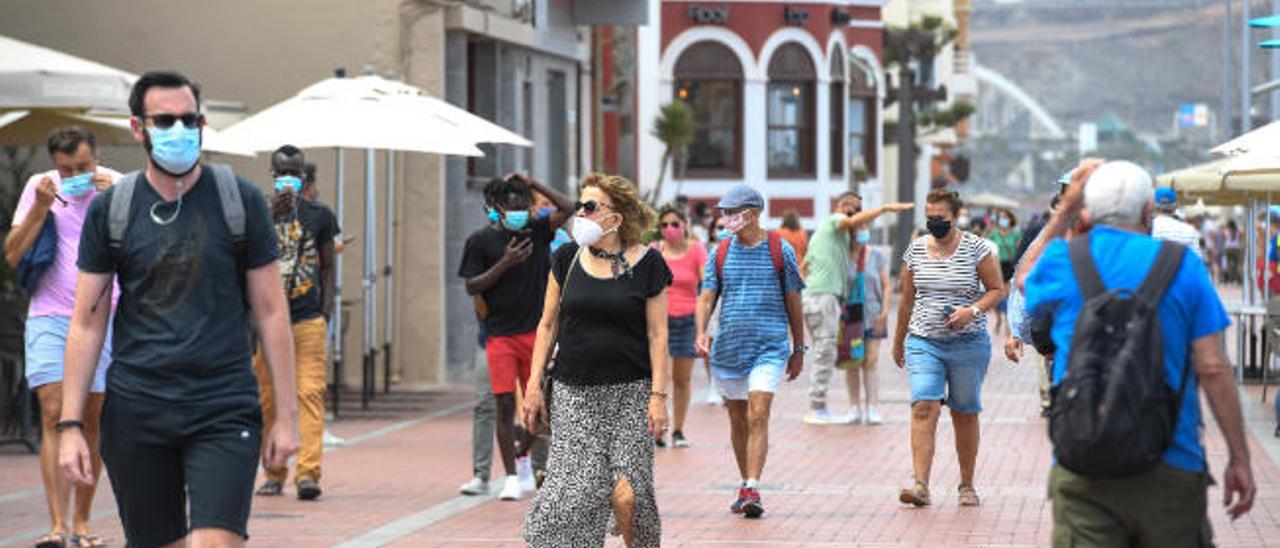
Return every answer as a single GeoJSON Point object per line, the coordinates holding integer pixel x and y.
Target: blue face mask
{"type": "Point", "coordinates": [515, 220]}
{"type": "Point", "coordinates": [288, 183]}
{"type": "Point", "coordinates": [492, 214]}
{"type": "Point", "coordinates": [864, 236]}
{"type": "Point", "coordinates": [545, 212]}
{"type": "Point", "coordinates": [175, 150]}
{"type": "Point", "coordinates": [77, 186]}
{"type": "Point", "coordinates": [723, 234]}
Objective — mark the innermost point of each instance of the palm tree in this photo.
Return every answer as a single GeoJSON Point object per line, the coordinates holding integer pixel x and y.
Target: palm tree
{"type": "Point", "coordinates": [674, 127]}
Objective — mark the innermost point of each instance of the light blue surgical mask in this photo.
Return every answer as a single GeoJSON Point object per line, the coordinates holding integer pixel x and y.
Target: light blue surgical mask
{"type": "Point", "coordinates": [723, 234]}
{"type": "Point", "coordinates": [175, 150]}
{"type": "Point", "coordinates": [515, 220]}
{"type": "Point", "coordinates": [864, 236]}
{"type": "Point", "coordinates": [545, 212]}
{"type": "Point", "coordinates": [1004, 222]}
{"type": "Point", "coordinates": [75, 187]}
{"type": "Point", "coordinates": [288, 183]}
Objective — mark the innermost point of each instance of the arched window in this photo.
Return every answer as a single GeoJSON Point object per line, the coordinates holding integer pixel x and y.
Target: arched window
{"type": "Point", "coordinates": [838, 161]}
{"type": "Point", "coordinates": [862, 116]}
{"type": "Point", "coordinates": [709, 79]}
{"type": "Point", "coordinates": [791, 113]}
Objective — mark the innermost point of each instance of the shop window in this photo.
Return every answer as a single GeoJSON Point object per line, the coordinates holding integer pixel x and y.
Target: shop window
{"type": "Point", "coordinates": [790, 103]}
{"type": "Point", "coordinates": [709, 79]}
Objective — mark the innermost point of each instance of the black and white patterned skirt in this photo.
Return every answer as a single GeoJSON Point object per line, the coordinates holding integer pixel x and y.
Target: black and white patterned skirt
{"type": "Point", "coordinates": [599, 435]}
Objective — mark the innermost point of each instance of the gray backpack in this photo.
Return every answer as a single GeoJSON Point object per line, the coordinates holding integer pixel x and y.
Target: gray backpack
{"type": "Point", "coordinates": [232, 212]}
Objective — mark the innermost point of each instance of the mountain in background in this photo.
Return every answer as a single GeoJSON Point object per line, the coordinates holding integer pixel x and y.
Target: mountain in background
{"type": "Point", "coordinates": [1138, 59]}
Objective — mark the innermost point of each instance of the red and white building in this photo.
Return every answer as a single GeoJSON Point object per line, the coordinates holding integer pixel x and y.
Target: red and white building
{"type": "Point", "coordinates": [786, 97]}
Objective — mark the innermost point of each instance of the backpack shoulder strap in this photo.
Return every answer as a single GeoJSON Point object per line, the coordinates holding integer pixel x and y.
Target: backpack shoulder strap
{"type": "Point", "coordinates": [232, 204]}
{"type": "Point", "coordinates": [722, 255]}
{"type": "Point", "coordinates": [1086, 271]}
{"type": "Point", "coordinates": [118, 209]}
{"type": "Point", "coordinates": [1162, 272]}
{"type": "Point", "coordinates": [779, 266]}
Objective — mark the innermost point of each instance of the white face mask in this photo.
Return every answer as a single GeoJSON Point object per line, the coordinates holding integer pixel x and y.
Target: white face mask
{"type": "Point", "coordinates": [586, 232]}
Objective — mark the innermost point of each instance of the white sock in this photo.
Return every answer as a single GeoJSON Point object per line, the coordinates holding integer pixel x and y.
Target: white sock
{"type": "Point", "coordinates": [751, 483]}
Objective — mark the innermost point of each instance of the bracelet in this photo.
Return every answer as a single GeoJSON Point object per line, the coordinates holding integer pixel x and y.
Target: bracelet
{"type": "Point", "coordinates": [64, 425]}
{"type": "Point", "coordinates": [660, 394]}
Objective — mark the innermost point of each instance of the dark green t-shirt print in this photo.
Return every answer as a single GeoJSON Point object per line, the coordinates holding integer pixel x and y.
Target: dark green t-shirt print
{"type": "Point", "coordinates": [172, 272]}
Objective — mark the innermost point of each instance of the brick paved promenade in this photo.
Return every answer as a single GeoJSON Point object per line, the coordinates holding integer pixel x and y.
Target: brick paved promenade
{"type": "Point", "coordinates": [824, 486]}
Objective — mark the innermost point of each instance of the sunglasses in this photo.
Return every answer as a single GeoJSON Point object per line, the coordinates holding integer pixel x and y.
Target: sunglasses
{"type": "Point", "coordinates": [675, 224]}
{"type": "Point", "coordinates": [590, 206]}
{"type": "Point", "coordinates": [166, 121]}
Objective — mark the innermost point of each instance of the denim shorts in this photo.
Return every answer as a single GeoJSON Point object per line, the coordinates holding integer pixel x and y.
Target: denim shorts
{"type": "Point", "coordinates": [680, 335]}
{"type": "Point", "coordinates": [46, 352]}
{"type": "Point", "coordinates": [761, 378]}
{"type": "Point", "coordinates": [949, 370]}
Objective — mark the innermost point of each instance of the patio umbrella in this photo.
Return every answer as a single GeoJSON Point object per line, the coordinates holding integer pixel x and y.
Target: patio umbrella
{"type": "Point", "coordinates": [32, 76]}
{"type": "Point", "coordinates": [42, 88]}
{"type": "Point", "coordinates": [32, 126]}
{"type": "Point", "coordinates": [1266, 137]}
{"type": "Point", "coordinates": [369, 112]}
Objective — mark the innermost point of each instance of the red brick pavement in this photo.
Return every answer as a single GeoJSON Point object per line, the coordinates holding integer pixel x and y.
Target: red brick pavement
{"type": "Point", "coordinates": [823, 486]}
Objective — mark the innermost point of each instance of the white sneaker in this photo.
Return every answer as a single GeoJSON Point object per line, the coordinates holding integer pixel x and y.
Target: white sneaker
{"type": "Point", "coordinates": [821, 417]}
{"type": "Point", "coordinates": [855, 415]}
{"type": "Point", "coordinates": [524, 469]}
{"type": "Point", "coordinates": [475, 487]}
{"type": "Point", "coordinates": [511, 489]}
{"type": "Point", "coordinates": [873, 415]}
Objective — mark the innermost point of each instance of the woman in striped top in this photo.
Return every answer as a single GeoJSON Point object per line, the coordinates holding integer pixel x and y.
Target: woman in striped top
{"type": "Point", "coordinates": [951, 279]}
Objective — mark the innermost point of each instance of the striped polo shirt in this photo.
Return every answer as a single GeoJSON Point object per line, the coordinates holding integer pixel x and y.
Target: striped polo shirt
{"type": "Point", "coordinates": [753, 316]}
{"type": "Point", "coordinates": [952, 281]}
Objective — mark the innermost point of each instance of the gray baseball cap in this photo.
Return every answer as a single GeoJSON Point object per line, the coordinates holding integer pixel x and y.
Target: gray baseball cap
{"type": "Point", "coordinates": [741, 196]}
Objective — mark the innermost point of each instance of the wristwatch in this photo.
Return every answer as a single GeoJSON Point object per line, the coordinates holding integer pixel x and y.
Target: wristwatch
{"type": "Point", "coordinates": [802, 349]}
{"type": "Point", "coordinates": [977, 312]}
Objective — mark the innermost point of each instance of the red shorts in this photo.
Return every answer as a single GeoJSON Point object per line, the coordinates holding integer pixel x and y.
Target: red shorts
{"type": "Point", "coordinates": [510, 357]}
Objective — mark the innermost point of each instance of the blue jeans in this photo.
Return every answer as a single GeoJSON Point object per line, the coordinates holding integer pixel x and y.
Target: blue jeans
{"type": "Point", "coordinates": [950, 370]}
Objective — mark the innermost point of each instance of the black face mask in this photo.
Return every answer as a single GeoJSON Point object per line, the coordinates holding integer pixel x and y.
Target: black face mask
{"type": "Point", "coordinates": [938, 227]}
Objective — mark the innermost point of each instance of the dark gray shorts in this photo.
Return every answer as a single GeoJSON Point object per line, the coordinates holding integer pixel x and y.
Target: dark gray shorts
{"type": "Point", "coordinates": [159, 455]}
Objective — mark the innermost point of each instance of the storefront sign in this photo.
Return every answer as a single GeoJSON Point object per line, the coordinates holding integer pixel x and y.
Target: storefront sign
{"type": "Point", "coordinates": [795, 16]}
{"type": "Point", "coordinates": [704, 15]}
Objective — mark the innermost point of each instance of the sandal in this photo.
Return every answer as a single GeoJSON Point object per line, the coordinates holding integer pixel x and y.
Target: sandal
{"type": "Point", "coordinates": [52, 540]}
{"type": "Point", "coordinates": [968, 496]}
{"type": "Point", "coordinates": [87, 541]}
{"type": "Point", "coordinates": [917, 496]}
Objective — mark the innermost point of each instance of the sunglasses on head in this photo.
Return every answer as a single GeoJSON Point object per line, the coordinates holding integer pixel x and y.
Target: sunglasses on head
{"type": "Point", "coordinates": [673, 224]}
{"type": "Point", "coordinates": [166, 121]}
{"type": "Point", "coordinates": [589, 206]}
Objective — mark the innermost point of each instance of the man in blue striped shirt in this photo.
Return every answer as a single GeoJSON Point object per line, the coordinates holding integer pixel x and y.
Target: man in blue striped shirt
{"type": "Point", "coordinates": [752, 351]}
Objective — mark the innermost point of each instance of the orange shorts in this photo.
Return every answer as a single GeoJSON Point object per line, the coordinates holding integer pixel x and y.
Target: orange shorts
{"type": "Point", "coordinates": [510, 357]}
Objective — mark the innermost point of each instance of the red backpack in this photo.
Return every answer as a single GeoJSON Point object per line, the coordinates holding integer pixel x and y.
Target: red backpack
{"type": "Point", "coordinates": [775, 252]}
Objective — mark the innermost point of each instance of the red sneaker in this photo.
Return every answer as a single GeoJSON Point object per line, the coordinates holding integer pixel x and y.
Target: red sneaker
{"type": "Point", "coordinates": [752, 508]}
{"type": "Point", "coordinates": [736, 507]}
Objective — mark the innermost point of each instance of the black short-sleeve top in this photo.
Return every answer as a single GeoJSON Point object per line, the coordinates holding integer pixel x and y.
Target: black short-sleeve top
{"type": "Point", "coordinates": [603, 331]}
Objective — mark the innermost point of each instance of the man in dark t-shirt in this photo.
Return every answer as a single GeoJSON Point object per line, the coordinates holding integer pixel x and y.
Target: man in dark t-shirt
{"type": "Point", "coordinates": [181, 426]}
{"type": "Point", "coordinates": [305, 232]}
{"type": "Point", "coordinates": [506, 264]}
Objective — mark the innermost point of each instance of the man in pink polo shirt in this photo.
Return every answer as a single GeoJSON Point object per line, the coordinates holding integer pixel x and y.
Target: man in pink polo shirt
{"type": "Point", "coordinates": [61, 195]}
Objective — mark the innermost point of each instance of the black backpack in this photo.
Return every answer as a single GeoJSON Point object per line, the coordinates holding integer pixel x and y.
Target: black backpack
{"type": "Point", "coordinates": [1113, 415]}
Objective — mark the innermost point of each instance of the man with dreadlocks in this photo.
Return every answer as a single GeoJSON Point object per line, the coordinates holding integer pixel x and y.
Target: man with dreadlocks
{"type": "Point", "coordinates": [506, 263]}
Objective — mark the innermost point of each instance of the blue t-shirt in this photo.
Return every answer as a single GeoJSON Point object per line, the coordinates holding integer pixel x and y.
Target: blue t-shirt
{"type": "Point", "coordinates": [753, 314]}
{"type": "Point", "coordinates": [1190, 309]}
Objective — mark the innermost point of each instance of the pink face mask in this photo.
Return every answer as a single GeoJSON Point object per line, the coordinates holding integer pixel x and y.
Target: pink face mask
{"type": "Point", "coordinates": [672, 233]}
